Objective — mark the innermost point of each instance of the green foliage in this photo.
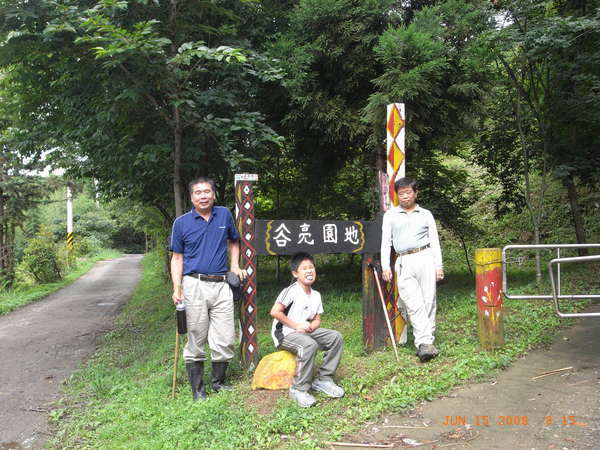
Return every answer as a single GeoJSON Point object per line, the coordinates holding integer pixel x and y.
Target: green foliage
{"type": "Point", "coordinates": [198, 84]}
{"type": "Point", "coordinates": [548, 79]}
{"type": "Point", "coordinates": [326, 51]}
{"type": "Point", "coordinates": [121, 225]}
{"type": "Point", "coordinates": [137, 226]}
{"type": "Point", "coordinates": [19, 192]}
{"type": "Point", "coordinates": [160, 104]}
{"type": "Point", "coordinates": [32, 226]}
{"type": "Point", "coordinates": [40, 258]}
{"type": "Point", "coordinates": [433, 64]}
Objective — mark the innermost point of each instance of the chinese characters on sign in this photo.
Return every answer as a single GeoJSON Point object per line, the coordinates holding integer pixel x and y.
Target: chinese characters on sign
{"type": "Point", "coordinates": [286, 237]}
{"type": "Point", "coordinates": [282, 235]}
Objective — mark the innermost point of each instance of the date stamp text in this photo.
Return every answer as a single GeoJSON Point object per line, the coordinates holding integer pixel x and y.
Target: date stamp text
{"type": "Point", "coordinates": [509, 420]}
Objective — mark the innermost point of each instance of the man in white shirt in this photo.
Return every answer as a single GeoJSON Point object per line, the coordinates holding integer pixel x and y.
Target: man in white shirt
{"type": "Point", "coordinates": [412, 231]}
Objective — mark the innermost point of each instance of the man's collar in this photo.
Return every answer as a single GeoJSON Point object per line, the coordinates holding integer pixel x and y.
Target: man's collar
{"type": "Point", "coordinates": [196, 215]}
{"type": "Point", "coordinates": [416, 209]}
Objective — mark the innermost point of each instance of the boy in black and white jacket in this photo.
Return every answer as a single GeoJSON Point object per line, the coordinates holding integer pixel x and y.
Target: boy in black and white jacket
{"type": "Point", "coordinates": [296, 328]}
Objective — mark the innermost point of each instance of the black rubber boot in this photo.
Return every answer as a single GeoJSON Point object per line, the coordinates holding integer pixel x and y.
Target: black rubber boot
{"type": "Point", "coordinates": [195, 371]}
{"type": "Point", "coordinates": [219, 370]}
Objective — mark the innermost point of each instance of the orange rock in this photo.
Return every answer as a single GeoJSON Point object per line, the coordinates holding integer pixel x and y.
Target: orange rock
{"type": "Point", "coordinates": [275, 371]}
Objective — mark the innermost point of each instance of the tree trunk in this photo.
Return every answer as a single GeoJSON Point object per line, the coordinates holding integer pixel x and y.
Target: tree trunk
{"type": "Point", "coordinates": [464, 246]}
{"type": "Point", "coordinates": [177, 125]}
{"type": "Point", "coordinates": [576, 214]}
{"type": "Point", "coordinates": [177, 151]}
{"type": "Point", "coordinates": [535, 213]}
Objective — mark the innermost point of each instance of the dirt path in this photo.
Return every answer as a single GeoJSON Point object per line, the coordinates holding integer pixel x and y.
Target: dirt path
{"type": "Point", "coordinates": [556, 411]}
{"type": "Point", "coordinates": [43, 343]}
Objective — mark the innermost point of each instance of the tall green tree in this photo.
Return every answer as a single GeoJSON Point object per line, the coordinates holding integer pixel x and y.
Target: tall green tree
{"type": "Point", "coordinates": [326, 50]}
{"type": "Point", "coordinates": [140, 95]}
{"type": "Point", "coordinates": [435, 65]}
{"type": "Point", "coordinates": [19, 192]}
{"type": "Point", "coordinates": [547, 55]}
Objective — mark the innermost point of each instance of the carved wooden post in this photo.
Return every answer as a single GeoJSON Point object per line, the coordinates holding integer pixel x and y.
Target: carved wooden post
{"type": "Point", "coordinates": [245, 220]}
{"type": "Point", "coordinates": [374, 327]}
{"type": "Point", "coordinates": [395, 147]}
{"type": "Point", "coordinates": [488, 289]}
{"type": "Point", "coordinates": [396, 163]}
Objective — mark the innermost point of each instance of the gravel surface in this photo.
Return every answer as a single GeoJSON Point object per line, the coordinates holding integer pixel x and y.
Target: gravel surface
{"type": "Point", "coordinates": [43, 343]}
{"type": "Point", "coordinates": [549, 399]}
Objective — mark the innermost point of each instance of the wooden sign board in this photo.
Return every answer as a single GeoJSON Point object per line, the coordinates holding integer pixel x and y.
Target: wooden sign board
{"type": "Point", "coordinates": [287, 237]}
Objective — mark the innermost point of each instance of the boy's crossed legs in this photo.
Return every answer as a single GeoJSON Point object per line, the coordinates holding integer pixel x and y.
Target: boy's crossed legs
{"type": "Point", "coordinates": [305, 347]}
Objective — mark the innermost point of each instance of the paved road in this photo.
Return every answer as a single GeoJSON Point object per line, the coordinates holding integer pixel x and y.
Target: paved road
{"type": "Point", "coordinates": [43, 343]}
{"type": "Point", "coordinates": [514, 411]}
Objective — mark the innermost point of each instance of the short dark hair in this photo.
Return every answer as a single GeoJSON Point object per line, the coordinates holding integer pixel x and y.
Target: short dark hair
{"type": "Point", "coordinates": [199, 180]}
{"type": "Point", "coordinates": [406, 181]}
{"type": "Point", "coordinates": [298, 258]}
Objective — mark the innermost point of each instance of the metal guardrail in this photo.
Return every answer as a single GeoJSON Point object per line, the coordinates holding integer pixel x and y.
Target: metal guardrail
{"type": "Point", "coordinates": [555, 285]}
{"type": "Point", "coordinates": [558, 261]}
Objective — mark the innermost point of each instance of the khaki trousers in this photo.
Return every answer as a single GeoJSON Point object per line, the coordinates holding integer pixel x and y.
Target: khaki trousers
{"type": "Point", "coordinates": [415, 275]}
{"type": "Point", "coordinates": [209, 313]}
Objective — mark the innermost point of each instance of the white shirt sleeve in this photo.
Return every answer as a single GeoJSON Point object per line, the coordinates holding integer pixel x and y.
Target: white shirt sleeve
{"type": "Point", "coordinates": [386, 242]}
{"type": "Point", "coordinates": [434, 241]}
{"type": "Point", "coordinates": [320, 305]}
{"type": "Point", "coordinates": [286, 296]}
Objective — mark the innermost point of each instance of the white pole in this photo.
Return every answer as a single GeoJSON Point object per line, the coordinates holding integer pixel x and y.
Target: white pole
{"type": "Point", "coordinates": [69, 220]}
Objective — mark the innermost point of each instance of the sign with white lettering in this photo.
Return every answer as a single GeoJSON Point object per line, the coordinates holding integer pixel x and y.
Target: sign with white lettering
{"type": "Point", "coordinates": [245, 177]}
{"type": "Point", "coordinates": [286, 237]}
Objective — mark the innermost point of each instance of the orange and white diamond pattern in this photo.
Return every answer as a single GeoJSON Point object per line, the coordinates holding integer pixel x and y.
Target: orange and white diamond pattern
{"type": "Point", "coordinates": [396, 121]}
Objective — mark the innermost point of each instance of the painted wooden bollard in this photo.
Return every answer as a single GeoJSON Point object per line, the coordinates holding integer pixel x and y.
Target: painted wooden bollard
{"type": "Point", "coordinates": [488, 290]}
{"type": "Point", "coordinates": [244, 208]}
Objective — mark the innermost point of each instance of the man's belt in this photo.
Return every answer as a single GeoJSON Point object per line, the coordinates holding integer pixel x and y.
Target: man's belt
{"type": "Point", "coordinates": [412, 250]}
{"type": "Point", "coordinates": [203, 277]}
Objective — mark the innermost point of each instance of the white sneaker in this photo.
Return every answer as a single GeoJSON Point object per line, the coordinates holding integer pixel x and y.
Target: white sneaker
{"type": "Point", "coordinates": [303, 398]}
{"type": "Point", "coordinates": [327, 387]}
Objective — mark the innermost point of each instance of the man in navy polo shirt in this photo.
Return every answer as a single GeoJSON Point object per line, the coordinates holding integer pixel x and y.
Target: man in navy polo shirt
{"type": "Point", "coordinates": [200, 242]}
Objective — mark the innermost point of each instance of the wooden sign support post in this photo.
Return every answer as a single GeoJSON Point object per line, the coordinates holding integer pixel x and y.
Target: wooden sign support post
{"type": "Point", "coordinates": [245, 220]}
{"type": "Point", "coordinates": [374, 328]}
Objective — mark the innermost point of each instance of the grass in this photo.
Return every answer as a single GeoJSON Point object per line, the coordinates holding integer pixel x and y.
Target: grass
{"type": "Point", "coordinates": [15, 298]}
{"type": "Point", "coordinates": [121, 398]}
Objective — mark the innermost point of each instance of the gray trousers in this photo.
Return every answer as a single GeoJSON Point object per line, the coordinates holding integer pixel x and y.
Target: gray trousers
{"type": "Point", "coordinates": [305, 347]}
{"type": "Point", "coordinates": [417, 291]}
{"type": "Point", "coordinates": [209, 313]}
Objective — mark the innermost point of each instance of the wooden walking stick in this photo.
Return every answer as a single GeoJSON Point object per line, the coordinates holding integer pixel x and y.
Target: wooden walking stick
{"type": "Point", "coordinates": [175, 364]}
{"type": "Point", "coordinates": [181, 329]}
{"type": "Point", "coordinates": [385, 311]}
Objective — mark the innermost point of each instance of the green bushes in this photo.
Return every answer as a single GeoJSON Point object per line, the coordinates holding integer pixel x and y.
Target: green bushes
{"type": "Point", "coordinates": [46, 261]}
{"type": "Point", "coordinates": [40, 259]}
